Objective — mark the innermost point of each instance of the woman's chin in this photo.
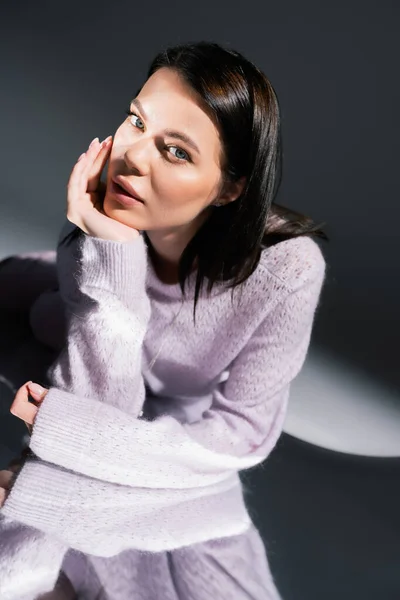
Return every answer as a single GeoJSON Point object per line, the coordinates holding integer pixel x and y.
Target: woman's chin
{"type": "Point", "coordinates": [115, 211]}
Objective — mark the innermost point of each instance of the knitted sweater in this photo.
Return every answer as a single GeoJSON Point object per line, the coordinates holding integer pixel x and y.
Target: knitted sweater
{"type": "Point", "coordinates": [128, 457]}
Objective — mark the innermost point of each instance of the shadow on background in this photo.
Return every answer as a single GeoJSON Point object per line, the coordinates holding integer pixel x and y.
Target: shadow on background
{"type": "Point", "coordinates": [330, 522]}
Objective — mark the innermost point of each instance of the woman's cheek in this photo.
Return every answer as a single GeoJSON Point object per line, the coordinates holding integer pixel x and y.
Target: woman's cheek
{"type": "Point", "coordinates": [121, 136]}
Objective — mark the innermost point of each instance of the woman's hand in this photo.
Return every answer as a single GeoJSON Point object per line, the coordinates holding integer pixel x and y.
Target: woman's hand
{"type": "Point", "coordinates": [22, 408]}
{"type": "Point", "coordinates": [86, 195]}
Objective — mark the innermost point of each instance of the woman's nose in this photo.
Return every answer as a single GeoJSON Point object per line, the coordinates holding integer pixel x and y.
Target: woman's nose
{"type": "Point", "coordinates": [137, 157]}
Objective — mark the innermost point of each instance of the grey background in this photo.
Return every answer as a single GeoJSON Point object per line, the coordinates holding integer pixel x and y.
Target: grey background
{"type": "Point", "coordinates": [68, 71]}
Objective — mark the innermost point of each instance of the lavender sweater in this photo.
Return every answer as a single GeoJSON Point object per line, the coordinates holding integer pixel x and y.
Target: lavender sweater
{"type": "Point", "coordinates": [132, 458]}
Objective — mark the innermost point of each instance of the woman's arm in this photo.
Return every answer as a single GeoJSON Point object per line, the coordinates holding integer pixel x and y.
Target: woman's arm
{"type": "Point", "coordinates": [238, 431]}
{"type": "Point", "coordinates": [102, 284]}
{"type": "Point", "coordinates": [162, 473]}
{"type": "Point", "coordinates": [104, 519]}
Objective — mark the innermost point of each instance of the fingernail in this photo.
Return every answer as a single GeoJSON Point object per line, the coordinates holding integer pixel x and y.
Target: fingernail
{"type": "Point", "coordinates": [93, 141]}
{"type": "Point", "coordinates": [106, 141]}
{"type": "Point", "coordinates": [81, 156]}
{"type": "Point", "coordinates": [36, 389]}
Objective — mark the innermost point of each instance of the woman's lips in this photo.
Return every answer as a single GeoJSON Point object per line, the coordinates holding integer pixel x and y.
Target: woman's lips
{"type": "Point", "coordinates": [123, 196]}
{"type": "Point", "coordinates": [127, 187]}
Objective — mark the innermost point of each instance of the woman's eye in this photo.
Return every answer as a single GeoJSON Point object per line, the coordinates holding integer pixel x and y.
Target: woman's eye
{"type": "Point", "coordinates": [185, 158]}
{"type": "Point", "coordinates": [132, 114]}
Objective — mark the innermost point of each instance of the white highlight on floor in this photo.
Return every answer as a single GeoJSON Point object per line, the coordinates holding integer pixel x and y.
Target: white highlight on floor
{"type": "Point", "coordinates": [333, 406]}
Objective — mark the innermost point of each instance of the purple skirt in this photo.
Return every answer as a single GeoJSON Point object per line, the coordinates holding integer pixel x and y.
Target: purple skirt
{"type": "Point", "coordinates": [232, 568]}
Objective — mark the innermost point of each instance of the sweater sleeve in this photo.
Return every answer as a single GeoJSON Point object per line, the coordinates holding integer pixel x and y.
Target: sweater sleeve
{"type": "Point", "coordinates": [238, 431]}
{"type": "Point", "coordinates": [102, 286]}
{"type": "Point", "coordinates": [89, 272]}
{"type": "Point", "coordinates": [30, 560]}
{"type": "Point", "coordinates": [104, 501]}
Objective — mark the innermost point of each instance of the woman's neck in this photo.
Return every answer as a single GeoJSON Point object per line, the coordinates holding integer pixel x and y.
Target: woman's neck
{"type": "Point", "coordinates": [166, 247]}
{"type": "Point", "coordinates": [166, 274]}
{"type": "Point", "coordinates": [166, 271]}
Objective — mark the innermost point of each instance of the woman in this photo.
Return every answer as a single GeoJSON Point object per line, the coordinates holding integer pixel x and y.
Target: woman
{"type": "Point", "coordinates": [152, 411]}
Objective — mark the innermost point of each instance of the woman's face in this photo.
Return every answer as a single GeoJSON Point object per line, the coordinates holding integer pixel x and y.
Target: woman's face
{"type": "Point", "coordinates": [176, 181]}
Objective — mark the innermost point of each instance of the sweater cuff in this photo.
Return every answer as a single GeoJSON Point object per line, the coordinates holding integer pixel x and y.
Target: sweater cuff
{"type": "Point", "coordinates": [59, 433]}
{"type": "Point", "coordinates": [87, 263]}
{"type": "Point", "coordinates": [118, 267]}
{"type": "Point", "coordinates": [28, 500]}
{"type": "Point", "coordinates": [111, 264]}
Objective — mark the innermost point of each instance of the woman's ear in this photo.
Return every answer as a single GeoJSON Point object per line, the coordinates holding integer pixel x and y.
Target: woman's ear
{"type": "Point", "coordinates": [232, 191]}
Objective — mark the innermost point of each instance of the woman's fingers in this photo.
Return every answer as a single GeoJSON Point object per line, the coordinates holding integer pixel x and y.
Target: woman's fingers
{"type": "Point", "coordinates": [3, 496]}
{"type": "Point", "coordinates": [22, 408]}
{"type": "Point", "coordinates": [85, 177]}
{"type": "Point", "coordinates": [76, 187]}
{"type": "Point", "coordinates": [78, 179]}
{"type": "Point", "coordinates": [76, 183]}
{"type": "Point", "coordinates": [37, 392]}
{"type": "Point", "coordinates": [98, 165]}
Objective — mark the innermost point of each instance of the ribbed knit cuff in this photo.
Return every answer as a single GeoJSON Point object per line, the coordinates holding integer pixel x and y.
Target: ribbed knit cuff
{"type": "Point", "coordinates": [62, 417]}
{"type": "Point", "coordinates": [119, 267]}
{"type": "Point", "coordinates": [28, 500]}
{"type": "Point", "coordinates": [87, 263]}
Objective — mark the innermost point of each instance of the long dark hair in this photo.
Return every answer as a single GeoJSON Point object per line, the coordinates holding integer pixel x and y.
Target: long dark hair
{"type": "Point", "coordinates": [243, 104]}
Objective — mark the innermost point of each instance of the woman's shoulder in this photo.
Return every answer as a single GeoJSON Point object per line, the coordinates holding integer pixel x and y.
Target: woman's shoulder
{"type": "Point", "coordinates": [294, 262]}
{"type": "Point", "coordinates": [284, 268]}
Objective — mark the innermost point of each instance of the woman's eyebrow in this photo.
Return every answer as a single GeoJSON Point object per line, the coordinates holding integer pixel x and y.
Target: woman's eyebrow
{"type": "Point", "coordinates": [179, 135]}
